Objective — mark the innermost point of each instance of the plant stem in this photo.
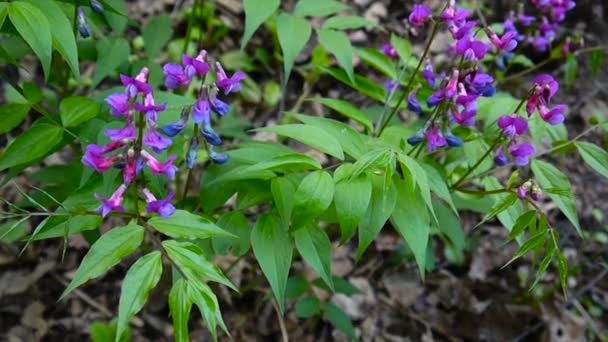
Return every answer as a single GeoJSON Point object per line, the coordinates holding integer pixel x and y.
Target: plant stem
{"type": "Point", "coordinates": [189, 176]}
{"type": "Point", "coordinates": [382, 123]}
{"type": "Point", "coordinates": [150, 230]}
{"type": "Point", "coordinates": [479, 161]}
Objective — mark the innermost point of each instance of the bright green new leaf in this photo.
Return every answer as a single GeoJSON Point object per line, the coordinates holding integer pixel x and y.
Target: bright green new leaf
{"type": "Point", "coordinates": [11, 115]}
{"type": "Point", "coordinates": [192, 261]}
{"type": "Point", "coordinates": [506, 217]}
{"type": "Point", "coordinates": [273, 250]}
{"type": "Point", "coordinates": [403, 48]}
{"type": "Point", "coordinates": [339, 320]}
{"type": "Point", "coordinates": [203, 297]}
{"type": "Point", "coordinates": [156, 34]}
{"type": "Point", "coordinates": [77, 109]}
{"type": "Point", "coordinates": [293, 34]}
{"type": "Point", "coordinates": [410, 218]}
{"type": "Point", "coordinates": [309, 135]}
{"type": "Point", "coordinates": [550, 177]}
{"type": "Point", "coordinates": [292, 162]}
{"type": "Point", "coordinates": [348, 22]}
{"type": "Point", "coordinates": [527, 219]}
{"type": "Point", "coordinates": [594, 156]}
{"type": "Point", "coordinates": [105, 253]}
{"type": "Point", "coordinates": [315, 248]}
{"type": "Point", "coordinates": [256, 12]}
{"type": "Point", "coordinates": [348, 110]}
{"type": "Point", "coordinates": [378, 61]}
{"type": "Point", "coordinates": [141, 278]}
{"type": "Point", "coordinates": [312, 198]}
{"type": "Point", "coordinates": [180, 306]}
{"type": "Point", "coordinates": [185, 225]}
{"type": "Point", "coordinates": [111, 53]}
{"type": "Point", "coordinates": [283, 194]}
{"type": "Point", "coordinates": [318, 8]}
{"type": "Point", "coordinates": [536, 241]}
{"type": "Point", "coordinates": [308, 307]}
{"type": "Point", "coordinates": [32, 144]}
{"type": "Point", "coordinates": [339, 45]}
{"type": "Point", "coordinates": [62, 33]}
{"type": "Point", "coordinates": [499, 207]}
{"type": "Point", "coordinates": [235, 223]}
{"type": "Point", "coordinates": [35, 29]}
{"type": "Point", "coordinates": [352, 197]}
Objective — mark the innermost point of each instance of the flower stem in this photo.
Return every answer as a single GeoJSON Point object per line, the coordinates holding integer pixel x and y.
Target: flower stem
{"type": "Point", "coordinates": [382, 123]}
{"type": "Point", "coordinates": [189, 176]}
{"type": "Point", "coordinates": [479, 161]}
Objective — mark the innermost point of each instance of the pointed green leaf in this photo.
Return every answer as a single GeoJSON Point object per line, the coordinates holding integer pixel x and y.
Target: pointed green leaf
{"type": "Point", "coordinates": [141, 278]}
{"type": "Point", "coordinates": [562, 266]}
{"type": "Point", "coordinates": [570, 69]}
{"type": "Point", "coordinates": [273, 251]}
{"type": "Point", "coordinates": [308, 307]}
{"type": "Point", "coordinates": [438, 185]}
{"type": "Point", "coordinates": [105, 253]}
{"type": "Point", "coordinates": [378, 61]}
{"type": "Point", "coordinates": [203, 297]}
{"type": "Point", "coordinates": [293, 34]}
{"type": "Point", "coordinates": [375, 159]}
{"type": "Point", "coordinates": [256, 12]}
{"type": "Point", "coordinates": [34, 28]}
{"type": "Point", "coordinates": [348, 22]}
{"type": "Point", "coordinates": [111, 54]}
{"type": "Point", "coordinates": [283, 193]}
{"type": "Point", "coordinates": [536, 241]}
{"type": "Point", "coordinates": [499, 207]}
{"type": "Point", "coordinates": [419, 177]}
{"type": "Point", "coordinates": [156, 34]}
{"type": "Point", "coordinates": [308, 135]}
{"type": "Point", "coordinates": [235, 223]}
{"type": "Point", "coordinates": [339, 45]}
{"type": "Point", "coordinates": [77, 109]}
{"type": "Point", "coordinates": [313, 196]}
{"type": "Point", "coordinates": [403, 48]}
{"type": "Point", "coordinates": [32, 144]}
{"type": "Point", "coordinates": [318, 8]}
{"type": "Point", "coordinates": [596, 58]}
{"type": "Point", "coordinates": [550, 177]}
{"type": "Point", "coordinates": [315, 248]}
{"type": "Point", "coordinates": [594, 156]}
{"type": "Point", "coordinates": [348, 110]}
{"type": "Point", "coordinates": [352, 197]}
{"type": "Point", "coordinates": [3, 12]}
{"type": "Point", "coordinates": [524, 221]}
{"type": "Point", "coordinates": [11, 115]}
{"type": "Point", "coordinates": [186, 225]}
{"type": "Point", "coordinates": [339, 320]}
{"type": "Point", "coordinates": [180, 306]}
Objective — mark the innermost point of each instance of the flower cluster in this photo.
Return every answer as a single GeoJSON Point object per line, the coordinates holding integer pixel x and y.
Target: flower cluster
{"type": "Point", "coordinates": [181, 75]}
{"type": "Point", "coordinates": [539, 30]}
{"type": "Point", "coordinates": [126, 149]}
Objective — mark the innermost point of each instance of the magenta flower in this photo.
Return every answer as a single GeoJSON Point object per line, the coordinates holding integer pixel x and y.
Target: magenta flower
{"type": "Point", "coordinates": [430, 76]}
{"type": "Point", "coordinates": [412, 102]}
{"type": "Point", "coordinates": [201, 111]}
{"type": "Point", "coordinates": [389, 51]}
{"type": "Point", "coordinates": [175, 76]}
{"type": "Point", "coordinates": [419, 15]}
{"type": "Point", "coordinates": [131, 169]}
{"type": "Point", "coordinates": [114, 203]}
{"type": "Point", "coordinates": [119, 105]}
{"type": "Point", "coordinates": [452, 86]}
{"type": "Point", "coordinates": [167, 168]}
{"type": "Point", "coordinates": [507, 43]}
{"type": "Point", "coordinates": [150, 109]}
{"type": "Point", "coordinates": [522, 192]}
{"type": "Point", "coordinates": [478, 83]}
{"type": "Point", "coordinates": [521, 153]}
{"type": "Point", "coordinates": [95, 159]}
{"type": "Point", "coordinates": [434, 139]}
{"type": "Point", "coordinates": [125, 134]}
{"type": "Point", "coordinates": [544, 88]}
{"type": "Point", "coordinates": [163, 207]}
{"type": "Point", "coordinates": [228, 84]}
{"type": "Point", "coordinates": [136, 85]}
{"type": "Point", "coordinates": [195, 66]}
{"type": "Point", "coordinates": [454, 16]}
{"type": "Point", "coordinates": [512, 125]}
{"type": "Point", "coordinates": [500, 159]}
{"type": "Point", "coordinates": [555, 116]}
{"type": "Point", "coordinates": [464, 30]}
{"type": "Point", "coordinates": [471, 49]}
{"type": "Point", "coordinates": [155, 141]}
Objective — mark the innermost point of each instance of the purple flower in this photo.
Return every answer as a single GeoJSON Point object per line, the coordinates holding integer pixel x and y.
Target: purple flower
{"type": "Point", "coordinates": [500, 159]}
{"type": "Point", "coordinates": [466, 118]}
{"type": "Point", "coordinates": [219, 107]}
{"type": "Point", "coordinates": [555, 116]}
{"type": "Point", "coordinates": [389, 51]}
{"type": "Point", "coordinates": [507, 43]}
{"type": "Point", "coordinates": [464, 30]}
{"type": "Point", "coordinates": [391, 85]}
{"type": "Point", "coordinates": [126, 134]}
{"type": "Point", "coordinates": [544, 88]}
{"type": "Point", "coordinates": [525, 20]}
{"type": "Point", "coordinates": [167, 168]}
{"type": "Point", "coordinates": [114, 203]}
{"type": "Point", "coordinates": [434, 139]}
{"type": "Point", "coordinates": [522, 192]}
{"type": "Point", "coordinates": [195, 66]}
{"type": "Point", "coordinates": [95, 159]}
{"type": "Point", "coordinates": [136, 85]}
{"type": "Point", "coordinates": [512, 125]}
{"type": "Point", "coordinates": [155, 141]}
{"type": "Point", "coordinates": [419, 15]}
{"type": "Point", "coordinates": [540, 43]}
{"type": "Point", "coordinates": [150, 109]}
{"type": "Point", "coordinates": [412, 102]}
{"type": "Point", "coordinates": [201, 111]}
{"type": "Point", "coordinates": [471, 49]}
{"type": "Point", "coordinates": [430, 77]}
{"type": "Point", "coordinates": [176, 77]}
{"type": "Point", "coordinates": [218, 158]}
{"type": "Point", "coordinates": [119, 105]}
{"type": "Point", "coordinates": [131, 169]}
{"type": "Point", "coordinates": [478, 82]}
{"type": "Point", "coordinates": [228, 84]}
{"type": "Point", "coordinates": [173, 129]}
{"type": "Point", "coordinates": [452, 86]}
{"type": "Point", "coordinates": [454, 15]}
{"type": "Point", "coordinates": [435, 98]}
{"type": "Point", "coordinates": [521, 153]}
{"type": "Point", "coordinates": [163, 207]}
{"type": "Point", "coordinates": [210, 135]}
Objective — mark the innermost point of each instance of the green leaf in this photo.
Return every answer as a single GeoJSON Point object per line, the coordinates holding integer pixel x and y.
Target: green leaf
{"type": "Point", "coordinates": [141, 278]}
{"type": "Point", "coordinates": [378, 61]}
{"type": "Point", "coordinates": [283, 194]}
{"type": "Point", "coordinates": [318, 8]}
{"type": "Point", "coordinates": [381, 206]}
{"type": "Point", "coordinates": [34, 28]}
{"type": "Point", "coordinates": [315, 248]}
{"type": "Point", "coordinates": [534, 242]}
{"type": "Point", "coordinates": [339, 320]}
{"type": "Point", "coordinates": [235, 223]}
{"type": "Point", "coordinates": [62, 33]}
{"type": "Point", "coordinates": [411, 220]}
{"type": "Point", "coordinates": [550, 177]}
{"type": "Point", "coordinates": [419, 177]}
{"type": "Point", "coordinates": [11, 115]}
{"type": "Point", "coordinates": [105, 253]}
{"type": "Point", "coordinates": [339, 45]}
{"type": "Point", "coordinates": [191, 259]}
{"type": "Point", "coordinates": [363, 85]}
{"type": "Point", "coordinates": [77, 109]}
{"type": "Point", "coordinates": [256, 12]}
{"type": "Point", "coordinates": [403, 48]}
{"type": "Point", "coordinates": [312, 198]}
{"type": "Point", "coordinates": [180, 306]}
{"type": "Point", "coordinates": [293, 34]}
{"type": "Point", "coordinates": [594, 156]}
{"type": "Point", "coordinates": [562, 266]}
{"type": "Point", "coordinates": [371, 160]}
{"type": "Point", "coordinates": [308, 135]}
{"type": "Point", "coordinates": [449, 225]}
{"type": "Point", "coordinates": [308, 307]}
{"type": "Point", "coordinates": [203, 297]}
{"type": "Point", "coordinates": [348, 110]}
{"type": "Point", "coordinates": [273, 251]}
{"type": "Point", "coordinates": [506, 217]}
{"type": "Point", "coordinates": [524, 221]}
{"type": "Point", "coordinates": [499, 207]}
{"type": "Point", "coordinates": [185, 225]}
{"type": "Point", "coordinates": [32, 144]}
{"type": "Point", "coordinates": [542, 268]}
{"type": "Point", "coordinates": [352, 197]}
{"type": "Point", "coordinates": [156, 34]}
{"type": "Point", "coordinates": [62, 226]}
{"type": "Point", "coordinates": [438, 185]}
{"type": "Point", "coordinates": [348, 22]}
{"type": "Point", "coordinates": [111, 54]}
{"type": "Point", "coordinates": [3, 12]}
{"type": "Point", "coordinates": [571, 68]}
{"type": "Point", "coordinates": [296, 287]}
{"type": "Point", "coordinates": [596, 60]}
{"type": "Point", "coordinates": [342, 286]}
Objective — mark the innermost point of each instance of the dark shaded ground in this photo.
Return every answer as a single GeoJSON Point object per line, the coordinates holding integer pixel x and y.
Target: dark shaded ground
{"type": "Point", "coordinates": [477, 301]}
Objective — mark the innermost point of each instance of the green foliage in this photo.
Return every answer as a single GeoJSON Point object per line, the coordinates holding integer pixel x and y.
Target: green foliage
{"type": "Point", "coordinates": [11, 115]}
{"type": "Point", "coordinates": [31, 145]}
{"type": "Point", "coordinates": [76, 110]}
{"type": "Point", "coordinates": [293, 34]}
{"type": "Point", "coordinates": [256, 12]}
{"type": "Point", "coordinates": [339, 45]}
{"type": "Point", "coordinates": [318, 8]}
{"type": "Point", "coordinates": [594, 156]}
{"type": "Point", "coordinates": [185, 225]}
{"type": "Point", "coordinates": [111, 54]}
{"type": "Point", "coordinates": [313, 196]}
{"type": "Point", "coordinates": [309, 135]}
{"type": "Point", "coordinates": [157, 33]}
{"type": "Point", "coordinates": [314, 246]}
{"type": "Point", "coordinates": [338, 319]}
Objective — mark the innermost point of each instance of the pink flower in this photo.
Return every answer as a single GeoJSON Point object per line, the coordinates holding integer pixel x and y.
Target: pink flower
{"type": "Point", "coordinates": [167, 168]}
{"type": "Point", "coordinates": [512, 125]}
{"type": "Point", "coordinates": [419, 15]}
{"type": "Point", "coordinates": [114, 203]}
{"type": "Point", "coordinates": [162, 207]}
{"type": "Point", "coordinates": [228, 84]}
